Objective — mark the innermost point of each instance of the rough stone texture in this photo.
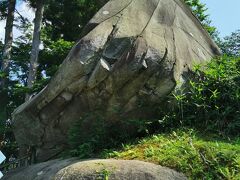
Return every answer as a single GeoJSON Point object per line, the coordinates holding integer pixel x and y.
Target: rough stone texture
{"type": "Point", "coordinates": [45, 170]}
{"type": "Point", "coordinates": [95, 169]}
{"type": "Point", "coordinates": [130, 52]}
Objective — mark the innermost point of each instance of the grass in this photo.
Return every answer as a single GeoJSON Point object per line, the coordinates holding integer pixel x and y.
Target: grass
{"type": "Point", "coordinates": [188, 152]}
{"type": "Point", "coordinates": [209, 102]}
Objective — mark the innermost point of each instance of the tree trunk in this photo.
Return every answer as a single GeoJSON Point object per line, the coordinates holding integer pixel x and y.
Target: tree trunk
{"type": "Point", "coordinates": [35, 46]}
{"type": "Point", "coordinates": [8, 43]}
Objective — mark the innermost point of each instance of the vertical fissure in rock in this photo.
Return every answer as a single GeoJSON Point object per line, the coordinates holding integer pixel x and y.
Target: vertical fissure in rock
{"type": "Point", "coordinates": [141, 40]}
{"type": "Point", "coordinates": [150, 18]}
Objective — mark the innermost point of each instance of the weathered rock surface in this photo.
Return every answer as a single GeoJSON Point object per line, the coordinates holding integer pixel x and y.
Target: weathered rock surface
{"type": "Point", "coordinates": [45, 170]}
{"type": "Point", "coordinates": [95, 169]}
{"type": "Point", "coordinates": [130, 52]}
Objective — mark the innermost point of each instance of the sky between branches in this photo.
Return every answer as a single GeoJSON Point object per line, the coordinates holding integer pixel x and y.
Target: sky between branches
{"type": "Point", "coordinates": [225, 16]}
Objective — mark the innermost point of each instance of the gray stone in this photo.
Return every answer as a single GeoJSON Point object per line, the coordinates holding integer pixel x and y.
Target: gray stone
{"type": "Point", "coordinates": [95, 169]}
{"type": "Point", "coordinates": [132, 51]}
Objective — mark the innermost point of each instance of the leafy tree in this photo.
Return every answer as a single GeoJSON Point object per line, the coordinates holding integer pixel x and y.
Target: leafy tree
{"type": "Point", "coordinates": [210, 103]}
{"type": "Point", "coordinates": [4, 66]}
{"type": "Point", "coordinates": [200, 10]}
{"type": "Point", "coordinates": [53, 54]}
{"type": "Point", "coordinates": [230, 45]}
{"type": "Point", "coordinates": [65, 19]}
{"type": "Point", "coordinates": [35, 45]}
{"type": "Point", "coordinates": [14, 88]}
{"type": "Point", "coordinates": [3, 9]}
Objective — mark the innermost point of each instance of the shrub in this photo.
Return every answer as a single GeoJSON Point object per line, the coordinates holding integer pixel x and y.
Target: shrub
{"type": "Point", "coordinates": [186, 151]}
{"type": "Point", "coordinates": [92, 134]}
{"type": "Point", "coordinates": [210, 101]}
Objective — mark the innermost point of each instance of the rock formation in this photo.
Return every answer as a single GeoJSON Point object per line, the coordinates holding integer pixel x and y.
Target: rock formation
{"type": "Point", "coordinates": [95, 169]}
{"type": "Point", "coordinates": [130, 52]}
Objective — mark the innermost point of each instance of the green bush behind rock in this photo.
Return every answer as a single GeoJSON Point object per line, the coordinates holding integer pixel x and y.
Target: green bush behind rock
{"type": "Point", "coordinates": [211, 101]}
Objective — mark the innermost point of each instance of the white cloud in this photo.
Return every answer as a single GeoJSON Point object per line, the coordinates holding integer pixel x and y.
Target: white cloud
{"type": "Point", "coordinates": [25, 11]}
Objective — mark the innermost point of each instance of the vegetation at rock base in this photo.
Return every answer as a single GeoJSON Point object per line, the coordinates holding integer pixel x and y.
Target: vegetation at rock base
{"type": "Point", "coordinates": [209, 104]}
{"type": "Point", "coordinates": [62, 24]}
{"type": "Point", "coordinates": [186, 151]}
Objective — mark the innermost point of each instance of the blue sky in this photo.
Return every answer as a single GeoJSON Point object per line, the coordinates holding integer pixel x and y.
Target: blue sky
{"type": "Point", "coordinates": [25, 11]}
{"type": "Point", "coordinates": [225, 15]}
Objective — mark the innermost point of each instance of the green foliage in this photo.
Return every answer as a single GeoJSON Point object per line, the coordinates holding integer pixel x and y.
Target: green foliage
{"type": "Point", "coordinates": [12, 95]}
{"type": "Point", "coordinates": [84, 144]}
{"type": "Point", "coordinates": [187, 152]}
{"type": "Point", "coordinates": [200, 10]}
{"type": "Point", "coordinates": [209, 103]}
{"type": "Point", "coordinates": [53, 55]}
{"type": "Point", "coordinates": [65, 19]}
{"type": "Point", "coordinates": [3, 9]}
{"type": "Point", "coordinates": [100, 134]}
{"type": "Point", "coordinates": [211, 100]}
{"type": "Point", "coordinates": [230, 45]}
{"type": "Point", "coordinates": [103, 174]}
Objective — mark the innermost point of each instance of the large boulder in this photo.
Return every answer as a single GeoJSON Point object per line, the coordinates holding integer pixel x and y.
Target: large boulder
{"type": "Point", "coordinates": [130, 52]}
{"type": "Point", "coordinates": [95, 169]}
